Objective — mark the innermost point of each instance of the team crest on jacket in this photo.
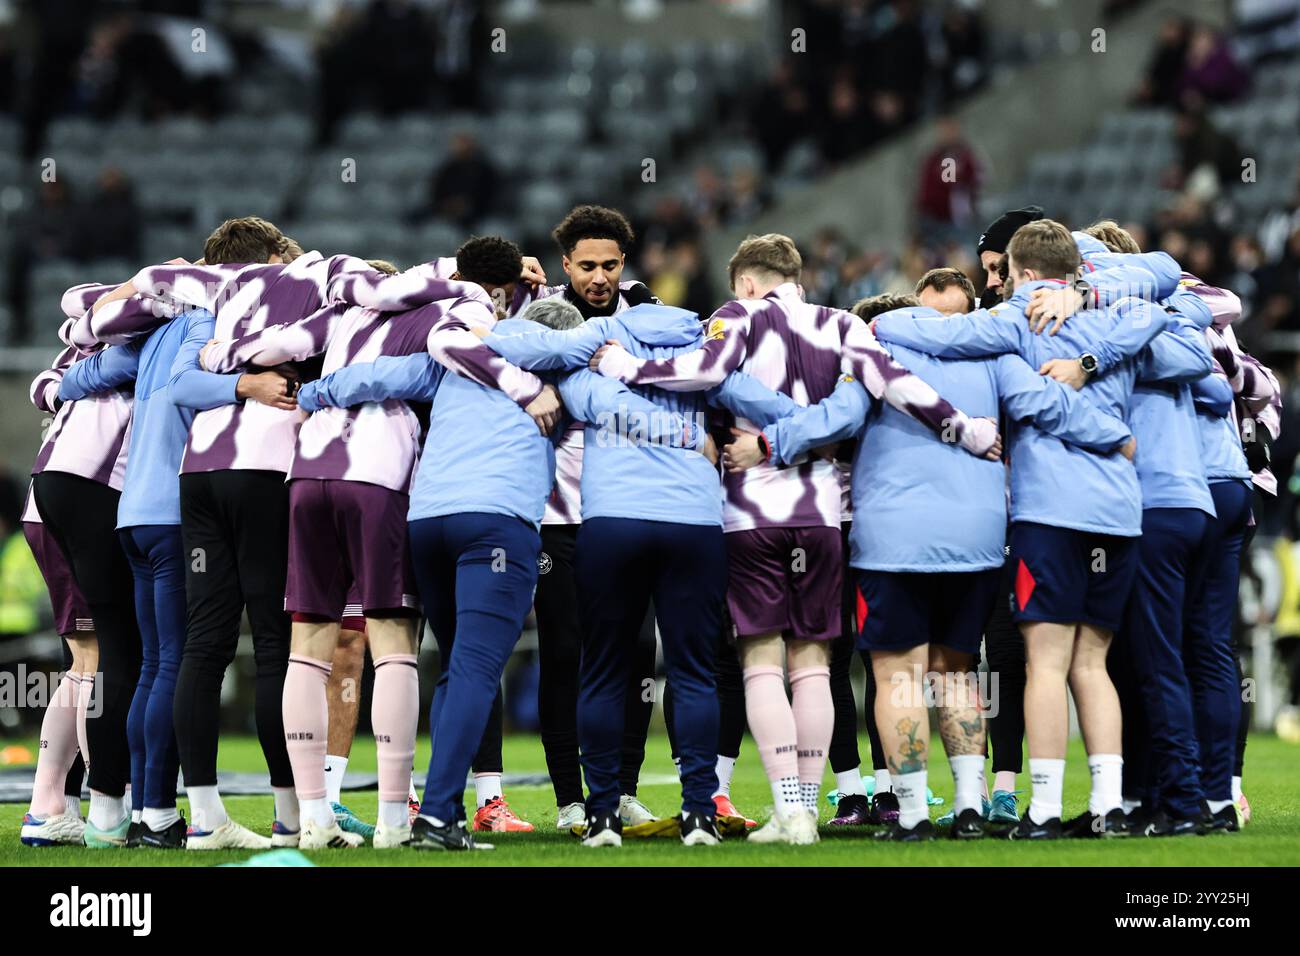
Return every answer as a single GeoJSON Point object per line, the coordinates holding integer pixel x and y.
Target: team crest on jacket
{"type": "Point", "coordinates": [716, 329]}
{"type": "Point", "coordinates": [543, 563]}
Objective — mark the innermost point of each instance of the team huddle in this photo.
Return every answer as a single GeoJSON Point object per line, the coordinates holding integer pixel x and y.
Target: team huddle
{"type": "Point", "coordinates": [345, 451]}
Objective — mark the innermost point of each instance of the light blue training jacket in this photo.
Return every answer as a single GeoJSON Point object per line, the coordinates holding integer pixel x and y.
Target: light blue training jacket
{"type": "Point", "coordinates": [1054, 483]}
{"type": "Point", "coordinates": [1162, 414]}
{"type": "Point", "coordinates": [652, 481]}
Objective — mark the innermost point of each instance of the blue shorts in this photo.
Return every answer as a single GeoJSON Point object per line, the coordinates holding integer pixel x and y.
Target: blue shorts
{"type": "Point", "coordinates": [908, 608]}
{"type": "Point", "coordinates": [1064, 576]}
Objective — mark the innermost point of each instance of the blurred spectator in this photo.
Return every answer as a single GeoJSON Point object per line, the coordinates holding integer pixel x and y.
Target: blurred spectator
{"type": "Point", "coordinates": [870, 76]}
{"type": "Point", "coordinates": [707, 198]}
{"type": "Point", "coordinates": [464, 187]}
{"type": "Point", "coordinates": [1211, 72]}
{"type": "Point", "coordinates": [111, 220]}
{"type": "Point", "coordinates": [1203, 147]}
{"type": "Point", "coordinates": [669, 224]}
{"type": "Point", "coordinates": [1164, 73]}
{"type": "Point", "coordinates": [781, 115]}
{"type": "Point", "coordinates": [848, 128]}
{"type": "Point", "coordinates": [460, 46]}
{"type": "Point", "coordinates": [676, 275]}
{"type": "Point", "coordinates": [948, 187]}
{"type": "Point", "coordinates": [965, 52]}
{"type": "Point", "coordinates": [1279, 290]}
{"type": "Point", "coordinates": [749, 196]}
{"type": "Point", "coordinates": [378, 58]}
{"type": "Point", "coordinates": [49, 231]}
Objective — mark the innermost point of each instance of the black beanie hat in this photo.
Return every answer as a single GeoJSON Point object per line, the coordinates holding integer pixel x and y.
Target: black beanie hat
{"type": "Point", "coordinates": [998, 235]}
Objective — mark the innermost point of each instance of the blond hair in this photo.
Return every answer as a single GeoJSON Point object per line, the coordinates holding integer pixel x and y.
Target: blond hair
{"type": "Point", "coordinates": [1114, 236]}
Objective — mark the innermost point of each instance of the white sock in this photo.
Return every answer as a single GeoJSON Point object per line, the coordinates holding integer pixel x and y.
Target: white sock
{"type": "Point", "coordinates": [72, 804]}
{"type": "Point", "coordinates": [137, 816]}
{"type": "Point", "coordinates": [1048, 776]}
{"type": "Point", "coordinates": [318, 811]}
{"type": "Point", "coordinates": [286, 807]}
{"type": "Point", "coordinates": [883, 781]}
{"type": "Point", "coordinates": [394, 813]}
{"type": "Point", "coordinates": [487, 787]}
{"type": "Point", "coordinates": [335, 768]}
{"type": "Point", "coordinates": [849, 783]}
{"type": "Point", "coordinates": [1107, 783]}
{"type": "Point", "coordinates": [1236, 789]}
{"type": "Point", "coordinates": [968, 774]}
{"type": "Point", "coordinates": [206, 809]}
{"type": "Point", "coordinates": [1005, 780]}
{"type": "Point", "coordinates": [106, 812]}
{"type": "Point", "coordinates": [158, 819]}
{"type": "Point", "coordinates": [785, 794]}
{"type": "Point", "coordinates": [1217, 805]}
{"type": "Point", "coordinates": [412, 794]}
{"type": "Point", "coordinates": [808, 794]}
{"type": "Point", "coordinates": [1131, 805]}
{"type": "Point", "coordinates": [910, 790]}
{"type": "Point", "coordinates": [434, 820]}
{"type": "Point", "coordinates": [726, 767]}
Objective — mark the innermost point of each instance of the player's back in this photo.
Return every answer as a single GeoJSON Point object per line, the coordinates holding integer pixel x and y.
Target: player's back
{"type": "Point", "coordinates": [483, 452]}
{"type": "Point", "coordinates": [1063, 485]}
{"type": "Point", "coordinates": [922, 504]}
{"type": "Point", "coordinates": [793, 347]}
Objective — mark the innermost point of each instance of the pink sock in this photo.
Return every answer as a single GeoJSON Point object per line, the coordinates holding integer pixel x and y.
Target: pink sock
{"type": "Point", "coordinates": [814, 719]}
{"type": "Point", "coordinates": [394, 712]}
{"type": "Point", "coordinates": [86, 691]}
{"type": "Point", "coordinates": [306, 721]}
{"type": "Point", "coordinates": [771, 721]}
{"type": "Point", "coordinates": [58, 748]}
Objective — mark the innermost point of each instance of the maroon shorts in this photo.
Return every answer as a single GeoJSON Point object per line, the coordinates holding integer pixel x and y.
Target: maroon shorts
{"type": "Point", "coordinates": [346, 533]}
{"type": "Point", "coordinates": [787, 580]}
{"type": "Point", "coordinates": [70, 611]}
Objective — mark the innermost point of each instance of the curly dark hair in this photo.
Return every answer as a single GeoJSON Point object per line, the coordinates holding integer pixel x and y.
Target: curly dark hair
{"type": "Point", "coordinates": [489, 260]}
{"type": "Point", "coordinates": [593, 222]}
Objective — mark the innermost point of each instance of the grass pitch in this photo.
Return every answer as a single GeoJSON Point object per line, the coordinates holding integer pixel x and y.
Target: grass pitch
{"type": "Point", "coordinates": [1272, 838]}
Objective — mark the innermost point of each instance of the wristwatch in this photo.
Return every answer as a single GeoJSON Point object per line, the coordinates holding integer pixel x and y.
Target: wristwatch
{"type": "Point", "coordinates": [1088, 362]}
{"type": "Point", "coordinates": [1085, 293]}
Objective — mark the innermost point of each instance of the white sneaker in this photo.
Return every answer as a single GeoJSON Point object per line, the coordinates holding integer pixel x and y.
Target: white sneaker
{"type": "Point", "coordinates": [60, 828]}
{"type": "Point", "coordinates": [799, 828]}
{"type": "Point", "coordinates": [314, 836]}
{"type": "Point", "coordinates": [803, 828]}
{"type": "Point", "coordinates": [570, 816]}
{"type": "Point", "coordinates": [609, 837]}
{"type": "Point", "coordinates": [387, 837]}
{"type": "Point", "coordinates": [633, 812]}
{"type": "Point", "coordinates": [229, 836]}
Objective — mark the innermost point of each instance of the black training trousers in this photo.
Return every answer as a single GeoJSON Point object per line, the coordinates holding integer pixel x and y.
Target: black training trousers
{"type": "Point", "coordinates": [1004, 649]}
{"type": "Point", "coordinates": [82, 516]}
{"type": "Point", "coordinates": [235, 527]}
